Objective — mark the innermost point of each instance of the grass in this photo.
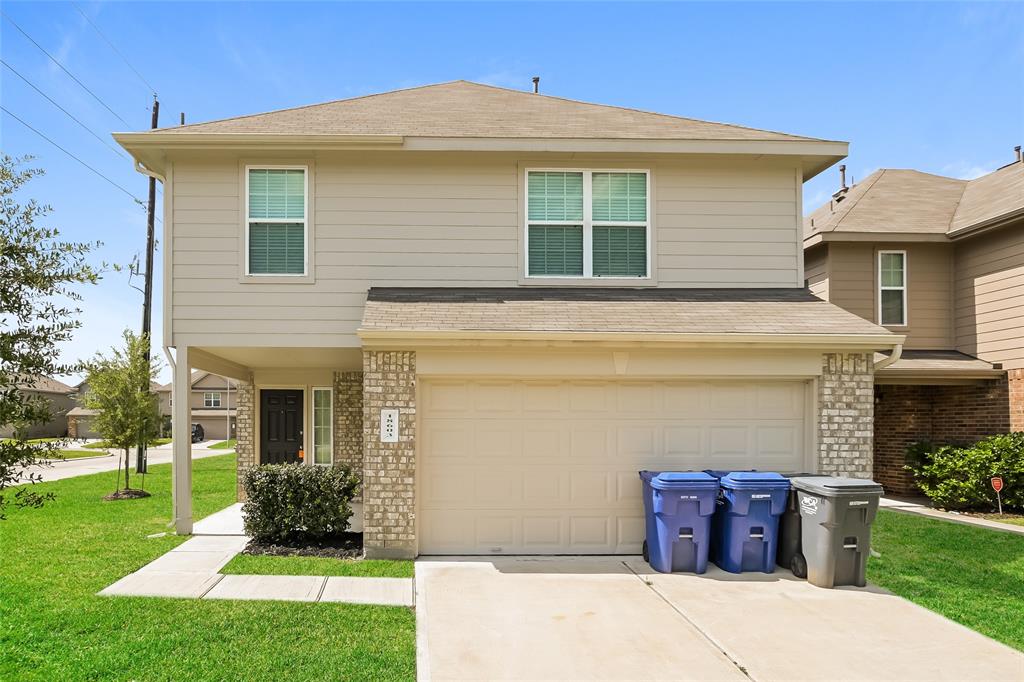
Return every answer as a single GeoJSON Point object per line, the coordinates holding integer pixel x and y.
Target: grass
{"type": "Point", "coordinates": [248, 564]}
{"type": "Point", "coordinates": [101, 444]}
{"type": "Point", "coordinates": [53, 626]}
{"type": "Point", "coordinates": [224, 445]}
{"type": "Point", "coordinates": [969, 574]}
{"type": "Point", "coordinates": [77, 454]}
{"type": "Point", "coordinates": [1015, 519]}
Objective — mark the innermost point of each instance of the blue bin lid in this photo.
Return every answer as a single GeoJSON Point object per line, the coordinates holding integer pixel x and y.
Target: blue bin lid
{"type": "Point", "coordinates": [739, 480]}
{"type": "Point", "coordinates": [678, 480]}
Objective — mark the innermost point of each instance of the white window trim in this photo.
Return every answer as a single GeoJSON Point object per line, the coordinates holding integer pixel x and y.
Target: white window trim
{"type": "Point", "coordinates": [209, 397]}
{"type": "Point", "coordinates": [305, 219]}
{"type": "Point", "coordinates": [903, 288]}
{"type": "Point", "coordinates": [312, 425]}
{"type": "Point", "coordinates": [588, 224]}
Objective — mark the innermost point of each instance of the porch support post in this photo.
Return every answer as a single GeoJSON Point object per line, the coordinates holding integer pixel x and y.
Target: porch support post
{"type": "Point", "coordinates": [181, 463]}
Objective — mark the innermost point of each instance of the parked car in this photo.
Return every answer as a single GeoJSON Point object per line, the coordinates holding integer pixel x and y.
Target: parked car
{"type": "Point", "coordinates": [198, 434]}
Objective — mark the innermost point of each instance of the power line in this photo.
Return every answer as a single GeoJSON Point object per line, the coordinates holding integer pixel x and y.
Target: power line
{"type": "Point", "coordinates": [64, 69]}
{"type": "Point", "coordinates": [69, 114]}
{"type": "Point", "coordinates": [107, 41]}
{"type": "Point", "coordinates": [134, 198]}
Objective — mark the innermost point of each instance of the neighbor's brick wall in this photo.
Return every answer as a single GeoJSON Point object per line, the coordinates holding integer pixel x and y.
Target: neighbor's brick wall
{"type": "Point", "coordinates": [348, 421]}
{"type": "Point", "coordinates": [845, 414]}
{"type": "Point", "coordinates": [389, 469]}
{"type": "Point", "coordinates": [1016, 398]}
{"type": "Point", "coordinates": [956, 415]}
{"type": "Point", "coordinates": [245, 432]}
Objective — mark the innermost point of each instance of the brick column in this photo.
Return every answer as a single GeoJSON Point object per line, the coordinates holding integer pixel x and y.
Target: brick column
{"type": "Point", "coordinates": [245, 432]}
{"type": "Point", "coordinates": [1016, 386]}
{"type": "Point", "coordinates": [348, 419]}
{"type": "Point", "coordinates": [846, 414]}
{"type": "Point", "coordinates": [389, 469]}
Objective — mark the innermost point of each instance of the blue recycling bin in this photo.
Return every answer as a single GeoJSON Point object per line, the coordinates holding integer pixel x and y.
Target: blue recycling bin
{"type": "Point", "coordinates": [745, 528]}
{"type": "Point", "coordinates": [678, 507]}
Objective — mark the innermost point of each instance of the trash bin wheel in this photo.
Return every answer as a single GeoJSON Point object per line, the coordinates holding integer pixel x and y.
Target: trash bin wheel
{"type": "Point", "coordinates": [647, 554]}
{"type": "Point", "coordinates": [798, 565]}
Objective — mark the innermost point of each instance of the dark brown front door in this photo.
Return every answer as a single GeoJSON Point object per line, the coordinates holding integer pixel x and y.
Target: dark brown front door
{"type": "Point", "coordinates": [280, 426]}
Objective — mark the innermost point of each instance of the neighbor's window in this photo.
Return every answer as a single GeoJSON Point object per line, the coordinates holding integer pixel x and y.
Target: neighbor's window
{"type": "Point", "coordinates": [322, 426]}
{"type": "Point", "coordinates": [211, 399]}
{"type": "Point", "coordinates": [276, 233]}
{"type": "Point", "coordinates": [892, 288]}
{"type": "Point", "coordinates": [587, 224]}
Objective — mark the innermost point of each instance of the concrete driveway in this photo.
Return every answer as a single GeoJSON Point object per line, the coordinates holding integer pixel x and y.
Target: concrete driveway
{"type": "Point", "coordinates": [534, 618]}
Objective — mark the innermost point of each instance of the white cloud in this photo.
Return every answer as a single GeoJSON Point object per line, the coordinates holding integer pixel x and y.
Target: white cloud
{"type": "Point", "coordinates": [968, 170]}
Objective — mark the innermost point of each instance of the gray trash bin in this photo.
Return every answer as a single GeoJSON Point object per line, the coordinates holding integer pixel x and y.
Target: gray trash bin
{"type": "Point", "coordinates": [835, 536]}
{"type": "Point", "coordinates": [789, 555]}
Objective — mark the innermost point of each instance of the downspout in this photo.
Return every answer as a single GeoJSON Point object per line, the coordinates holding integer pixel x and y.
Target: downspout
{"type": "Point", "coordinates": [897, 351]}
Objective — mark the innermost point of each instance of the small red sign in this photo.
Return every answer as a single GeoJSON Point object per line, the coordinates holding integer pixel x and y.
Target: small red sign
{"type": "Point", "coordinates": [997, 484]}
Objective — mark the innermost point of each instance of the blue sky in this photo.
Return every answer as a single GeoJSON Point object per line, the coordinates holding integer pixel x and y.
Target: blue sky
{"type": "Point", "coordinates": [933, 86]}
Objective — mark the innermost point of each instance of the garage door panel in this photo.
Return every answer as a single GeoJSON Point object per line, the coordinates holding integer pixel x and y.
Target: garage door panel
{"type": "Point", "coordinates": [551, 467]}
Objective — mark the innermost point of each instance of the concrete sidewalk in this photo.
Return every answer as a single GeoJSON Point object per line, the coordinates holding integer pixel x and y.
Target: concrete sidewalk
{"type": "Point", "coordinates": [921, 507]}
{"type": "Point", "coordinates": [192, 571]}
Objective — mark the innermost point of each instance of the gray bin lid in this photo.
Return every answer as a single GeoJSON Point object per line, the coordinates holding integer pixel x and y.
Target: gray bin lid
{"type": "Point", "coordinates": [834, 485]}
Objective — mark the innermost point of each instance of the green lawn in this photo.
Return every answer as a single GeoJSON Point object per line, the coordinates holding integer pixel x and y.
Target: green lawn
{"type": "Point", "coordinates": [247, 564]}
{"type": "Point", "coordinates": [100, 444]}
{"type": "Point", "coordinates": [52, 626]}
{"type": "Point", "coordinates": [224, 445]}
{"type": "Point", "coordinates": [969, 574]}
{"type": "Point", "coordinates": [1015, 519]}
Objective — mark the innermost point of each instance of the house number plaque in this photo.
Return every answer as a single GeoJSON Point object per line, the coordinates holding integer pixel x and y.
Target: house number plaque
{"type": "Point", "coordinates": [389, 426]}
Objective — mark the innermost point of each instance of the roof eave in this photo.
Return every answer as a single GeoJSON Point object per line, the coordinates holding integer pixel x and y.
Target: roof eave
{"type": "Point", "coordinates": [841, 236]}
{"type": "Point", "coordinates": [986, 225]}
{"type": "Point", "coordinates": [462, 337]}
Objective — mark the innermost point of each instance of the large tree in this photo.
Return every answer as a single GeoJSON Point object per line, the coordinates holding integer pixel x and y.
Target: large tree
{"type": "Point", "coordinates": [125, 414]}
{"type": "Point", "coordinates": [39, 276]}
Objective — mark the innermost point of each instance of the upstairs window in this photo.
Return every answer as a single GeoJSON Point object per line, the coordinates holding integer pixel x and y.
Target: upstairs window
{"type": "Point", "coordinates": [276, 220]}
{"type": "Point", "coordinates": [587, 224]}
{"type": "Point", "coordinates": [892, 288]}
{"type": "Point", "coordinates": [211, 400]}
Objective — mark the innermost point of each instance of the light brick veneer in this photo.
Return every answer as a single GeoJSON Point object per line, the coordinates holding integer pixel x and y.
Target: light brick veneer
{"type": "Point", "coordinates": [245, 432]}
{"type": "Point", "coordinates": [846, 414]}
{"type": "Point", "coordinates": [1015, 378]}
{"type": "Point", "coordinates": [389, 469]}
{"type": "Point", "coordinates": [348, 419]}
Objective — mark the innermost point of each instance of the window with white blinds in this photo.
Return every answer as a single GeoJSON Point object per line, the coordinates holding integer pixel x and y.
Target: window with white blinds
{"type": "Point", "coordinates": [276, 220]}
{"type": "Point", "coordinates": [586, 223]}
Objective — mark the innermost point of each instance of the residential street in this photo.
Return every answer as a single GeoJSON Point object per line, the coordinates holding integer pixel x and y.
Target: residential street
{"type": "Point", "coordinates": [92, 465]}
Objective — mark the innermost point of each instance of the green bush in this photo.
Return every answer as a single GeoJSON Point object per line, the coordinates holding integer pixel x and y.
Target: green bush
{"type": "Point", "coordinates": [297, 503]}
{"type": "Point", "coordinates": [959, 477]}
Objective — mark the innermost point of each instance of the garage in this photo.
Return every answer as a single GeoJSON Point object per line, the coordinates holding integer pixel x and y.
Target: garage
{"type": "Point", "coordinates": [550, 466]}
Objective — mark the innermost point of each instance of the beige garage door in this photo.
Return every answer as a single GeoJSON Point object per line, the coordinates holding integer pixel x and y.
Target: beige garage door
{"type": "Point", "coordinates": [550, 467]}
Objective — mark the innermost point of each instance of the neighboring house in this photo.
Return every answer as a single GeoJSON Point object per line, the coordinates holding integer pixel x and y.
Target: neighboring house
{"type": "Point", "coordinates": [498, 306]}
{"type": "Point", "coordinates": [80, 418]}
{"type": "Point", "coordinates": [58, 395]}
{"type": "Point", "coordinates": [212, 402]}
{"type": "Point", "coordinates": [942, 261]}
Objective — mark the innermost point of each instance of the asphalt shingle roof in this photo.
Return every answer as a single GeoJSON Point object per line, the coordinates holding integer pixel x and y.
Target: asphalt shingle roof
{"type": "Point", "coordinates": [465, 109]}
{"type": "Point", "coordinates": [579, 309]}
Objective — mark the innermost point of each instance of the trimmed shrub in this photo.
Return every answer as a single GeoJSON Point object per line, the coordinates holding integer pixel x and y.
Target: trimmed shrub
{"type": "Point", "coordinates": [297, 503]}
{"type": "Point", "coordinates": [959, 477]}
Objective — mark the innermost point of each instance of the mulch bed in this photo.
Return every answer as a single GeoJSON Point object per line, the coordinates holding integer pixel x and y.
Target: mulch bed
{"type": "Point", "coordinates": [126, 494]}
{"type": "Point", "coordinates": [344, 546]}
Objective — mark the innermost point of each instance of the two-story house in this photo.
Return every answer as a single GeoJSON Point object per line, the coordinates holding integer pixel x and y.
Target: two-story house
{"type": "Point", "coordinates": [499, 306]}
{"type": "Point", "coordinates": [59, 400]}
{"type": "Point", "coordinates": [212, 404]}
{"type": "Point", "coordinates": [80, 418]}
{"type": "Point", "coordinates": [940, 260]}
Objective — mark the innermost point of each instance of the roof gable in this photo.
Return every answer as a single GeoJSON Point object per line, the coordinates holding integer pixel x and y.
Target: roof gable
{"type": "Point", "coordinates": [465, 109]}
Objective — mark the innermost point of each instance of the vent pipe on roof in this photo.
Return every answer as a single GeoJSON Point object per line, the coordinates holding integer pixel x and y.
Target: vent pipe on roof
{"type": "Point", "coordinates": [842, 176]}
{"type": "Point", "coordinates": [536, 84]}
{"type": "Point", "coordinates": [1017, 150]}
{"type": "Point", "coordinates": [183, 118]}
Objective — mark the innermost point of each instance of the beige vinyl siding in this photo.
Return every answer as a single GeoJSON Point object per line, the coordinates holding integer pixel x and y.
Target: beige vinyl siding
{"type": "Point", "coordinates": [990, 296]}
{"type": "Point", "coordinates": [433, 219]}
{"type": "Point", "coordinates": [816, 270]}
{"type": "Point", "coordinates": [853, 285]}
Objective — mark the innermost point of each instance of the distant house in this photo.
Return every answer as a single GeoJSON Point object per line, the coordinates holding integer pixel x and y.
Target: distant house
{"type": "Point", "coordinates": [940, 260]}
{"type": "Point", "coordinates": [80, 418]}
{"type": "Point", "coordinates": [58, 394]}
{"type": "Point", "coordinates": [213, 401]}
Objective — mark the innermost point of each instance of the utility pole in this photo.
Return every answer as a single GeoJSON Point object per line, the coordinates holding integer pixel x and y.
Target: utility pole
{"type": "Point", "coordinates": [147, 303]}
